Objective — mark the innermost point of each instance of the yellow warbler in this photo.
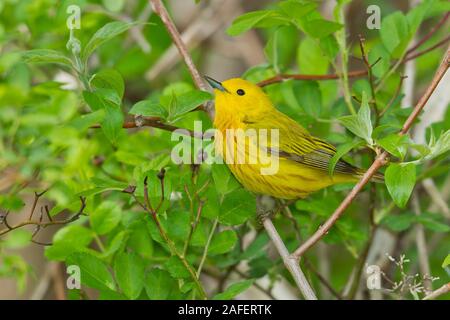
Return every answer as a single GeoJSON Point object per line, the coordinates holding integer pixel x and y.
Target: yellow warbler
{"type": "Point", "coordinates": [303, 160]}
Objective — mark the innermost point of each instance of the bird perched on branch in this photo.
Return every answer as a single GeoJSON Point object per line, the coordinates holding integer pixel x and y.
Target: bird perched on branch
{"type": "Point", "coordinates": [302, 160]}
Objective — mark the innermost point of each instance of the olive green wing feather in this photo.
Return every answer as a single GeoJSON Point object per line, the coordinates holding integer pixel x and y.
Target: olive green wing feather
{"type": "Point", "coordinates": [296, 144]}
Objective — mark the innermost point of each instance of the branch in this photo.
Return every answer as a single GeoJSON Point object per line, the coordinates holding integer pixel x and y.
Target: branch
{"type": "Point", "coordinates": [155, 122]}
{"type": "Point", "coordinates": [39, 224]}
{"type": "Point", "coordinates": [430, 33]}
{"type": "Point", "coordinates": [281, 77]}
{"type": "Point", "coordinates": [291, 264]}
{"type": "Point", "coordinates": [161, 11]}
{"type": "Point", "coordinates": [361, 73]}
{"type": "Point", "coordinates": [439, 292]}
{"type": "Point", "coordinates": [377, 164]}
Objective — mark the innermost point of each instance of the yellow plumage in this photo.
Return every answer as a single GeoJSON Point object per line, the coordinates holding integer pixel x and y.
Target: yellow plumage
{"type": "Point", "coordinates": [303, 160]}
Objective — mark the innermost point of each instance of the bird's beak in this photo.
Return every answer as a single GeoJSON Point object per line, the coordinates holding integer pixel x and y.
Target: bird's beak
{"type": "Point", "coordinates": [215, 84]}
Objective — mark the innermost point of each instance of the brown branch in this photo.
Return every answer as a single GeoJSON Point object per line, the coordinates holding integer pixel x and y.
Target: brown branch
{"type": "Point", "coordinates": [161, 11]}
{"type": "Point", "coordinates": [395, 96]}
{"type": "Point", "coordinates": [439, 292]}
{"type": "Point", "coordinates": [155, 122]}
{"type": "Point", "coordinates": [370, 77]}
{"type": "Point", "coordinates": [281, 77]}
{"type": "Point", "coordinates": [377, 164]}
{"type": "Point", "coordinates": [39, 224]}
{"type": "Point", "coordinates": [421, 53]}
{"type": "Point", "coordinates": [430, 33]}
{"type": "Point", "coordinates": [35, 201]}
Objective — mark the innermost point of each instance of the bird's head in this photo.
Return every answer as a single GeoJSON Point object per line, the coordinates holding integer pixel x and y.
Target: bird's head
{"type": "Point", "coordinates": [240, 97]}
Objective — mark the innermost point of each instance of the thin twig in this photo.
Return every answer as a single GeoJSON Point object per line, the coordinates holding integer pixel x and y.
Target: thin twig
{"type": "Point", "coordinates": [377, 164]}
{"type": "Point", "coordinates": [155, 122]}
{"type": "Point", "coordinates": [161, 11]}
{"type": "Point", "coordinates": [421, 53]}
{"type": "Point", "coordinates": [395, 96]}
{"type": "Point", "coordinates": [40, 224]}
{"type": "Point", "coordinates": [430, 33]}
{"type": "Point", "coordinates": [208, 242]}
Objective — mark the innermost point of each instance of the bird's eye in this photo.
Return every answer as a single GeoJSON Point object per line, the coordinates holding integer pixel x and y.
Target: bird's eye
{"type": "Point", "coordinates": [240, 92]}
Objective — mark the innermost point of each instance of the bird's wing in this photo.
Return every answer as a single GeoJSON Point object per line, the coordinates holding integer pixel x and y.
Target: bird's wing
{"type": "Point", "coordinates": [296, 144]}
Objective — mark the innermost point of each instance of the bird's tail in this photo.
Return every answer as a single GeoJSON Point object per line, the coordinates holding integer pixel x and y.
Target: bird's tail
{"type": "Point", "coordinates": [377, 177]}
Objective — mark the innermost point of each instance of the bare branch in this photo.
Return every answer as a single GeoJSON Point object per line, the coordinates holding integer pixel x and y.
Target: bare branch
{"type": "Point", "coordinates": [39, 224]}
{"type": "Point", "coordinates": [430, 33]}
{"type": "Point", "coordinates": [439, 292]}
{"type": "Point", "coordinates": [161, 11]}
{"type": "Point", "coordinates": [290, 263]}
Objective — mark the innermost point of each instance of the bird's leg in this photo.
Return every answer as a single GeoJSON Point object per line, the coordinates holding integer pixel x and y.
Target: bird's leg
{"type": "Point", "coordinates": [265, 208]}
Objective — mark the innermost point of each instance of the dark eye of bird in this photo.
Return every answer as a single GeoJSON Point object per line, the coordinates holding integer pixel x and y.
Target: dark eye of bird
{"type": "Point", "coordinates": [240, 92]}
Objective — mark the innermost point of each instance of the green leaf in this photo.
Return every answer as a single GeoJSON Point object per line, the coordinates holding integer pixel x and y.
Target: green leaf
{"type": "Point", "coordinates": [176, 268]}
{"type": "Point", "coordinates": [360, 124]}
{"type": "Point", "coordinates": [233, 290]}
{"type": "Point", "coordinates": [446, 261]}
{"type": "Point", "coordinates": [187, 102]}
{"type": "Point", "coordinates": [399, 222]}
{"type": "Point", "coordinates": [94, 272]}
{"type": "Point", "coordinates": [178, 224]}
{"type": "Point", "coordinates": [105, 33]}
{"type": "Point", "coordinates": [46, 56]}
{"type": "Point", "coordinates": [68, 240]}
{"type": "Point", "coordinates": [105, 217]}
{"type": "Point", "coordinates": [115, 244]}
{"type": "Point", "coordinates": [159, 284]}
{"type": "Point", "coordinates": [262, 18]}
{"type": "Point", "coordinates": [140, 241]}
{"type": "Point", "coordinates": [255, 248]}
{"type": "Point", "coordinates": [238, 206]}
{"type": "Point", "coordinates": [394, 33]}
{"type": "Point", "coordinates": [109, 79]}
{"type": "Point", "coordinates": [310, 58]}
{"type": "Point", "coordinates": [320, 28]}
{"type": "Point", "coordinates": [439, 146]}
{"type": "Point", "coordinates": [149, 108]}
{"type": "Point", "coordinates": [309, 96]}
{"type": "Point", "coordinates": [281, 46]}
{"type": "Point", "coordinates": [129, 271]}
{"type": "Point", "coordinates": [16, 239]}
{"type": "Point", "coordinates": [224, 181]}
{"type": "Point", "coordinates": [395, 144]}
{"type": "Point", "coordinates": [113, 122]}
{"type": "Point", "coordinates": [417, 14]}
{"type": "Point", "coordinates": [109, 101]}
{"type": "Point", "coordinates": [381, 67]}
{"type": "Point", "coordinates": [223, 242]}
{"type": "Point", "coordinates": [400, 180]}
{"type": "Point", "coordinates": [295, 9]}
{"type": "Point", "coordinates": [432, 222]}
{"type": "Point", "coordinates": [341, 151]}
{"type": "Point", "coordinates": [114, 5]}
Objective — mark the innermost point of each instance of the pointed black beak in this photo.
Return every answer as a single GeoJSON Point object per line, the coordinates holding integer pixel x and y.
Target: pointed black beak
{"type": "Point", "coordinates": [215, 84]}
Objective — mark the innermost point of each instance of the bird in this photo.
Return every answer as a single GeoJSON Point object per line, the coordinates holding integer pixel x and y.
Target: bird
{"type": "Point", "coordinates": [303, 159]}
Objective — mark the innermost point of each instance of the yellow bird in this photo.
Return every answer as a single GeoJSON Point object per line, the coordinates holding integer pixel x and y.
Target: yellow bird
{"type": "Point", "coordinates": [302, 159]}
